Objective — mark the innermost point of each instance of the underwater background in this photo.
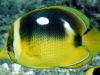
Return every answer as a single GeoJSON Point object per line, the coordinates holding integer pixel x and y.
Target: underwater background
{"type": "Point", "coordinates": [10, 10]}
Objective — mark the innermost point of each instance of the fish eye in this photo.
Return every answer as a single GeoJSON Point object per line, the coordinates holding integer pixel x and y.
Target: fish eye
{"type": "Point", "coordinates": [8, 48]}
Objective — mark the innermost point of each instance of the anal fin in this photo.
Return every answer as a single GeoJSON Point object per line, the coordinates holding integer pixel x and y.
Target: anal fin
{"type": "Point", "coordinates": [79, 57]}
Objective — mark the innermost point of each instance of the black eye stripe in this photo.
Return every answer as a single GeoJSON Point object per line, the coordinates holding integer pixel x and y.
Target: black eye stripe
{"type": "Point", "coordinates": [9, 48]}
{"type": "Point", "coordinates": [10, 41]}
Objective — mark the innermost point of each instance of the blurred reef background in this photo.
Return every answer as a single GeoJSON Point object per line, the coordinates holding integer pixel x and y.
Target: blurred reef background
{"type": "Point", "coordinates": [10, 10]}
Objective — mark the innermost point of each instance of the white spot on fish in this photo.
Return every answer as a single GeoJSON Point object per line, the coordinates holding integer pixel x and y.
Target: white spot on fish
{"type": "Point", "coordinates": [42, 21]}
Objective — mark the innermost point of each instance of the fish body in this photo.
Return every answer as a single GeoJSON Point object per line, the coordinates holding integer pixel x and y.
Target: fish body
{"type": "Point", "coordinates": [52, 36]}
{"type": "Point", "coordinates": [93, 71]}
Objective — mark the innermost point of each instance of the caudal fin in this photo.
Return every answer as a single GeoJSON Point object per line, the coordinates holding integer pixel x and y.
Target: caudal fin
{"type": "Point", "coordinates": [91, 40]}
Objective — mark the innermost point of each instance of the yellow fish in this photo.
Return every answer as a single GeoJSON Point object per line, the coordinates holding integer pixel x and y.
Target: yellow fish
{"type": "Point", "coordinates": [93, 71]}
{"type": "Point", "coordinates": [51, 36]}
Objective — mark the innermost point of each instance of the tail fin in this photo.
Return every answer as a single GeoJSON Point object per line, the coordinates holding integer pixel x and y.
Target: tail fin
{"type": "Point", "coordinates": [92, 40]}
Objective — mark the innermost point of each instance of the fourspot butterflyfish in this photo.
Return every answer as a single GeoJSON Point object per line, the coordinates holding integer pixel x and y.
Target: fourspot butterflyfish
{"type": "Point", "coordinates": [93, 71]}
{"type": "Point", "coordinates": [51, 36]}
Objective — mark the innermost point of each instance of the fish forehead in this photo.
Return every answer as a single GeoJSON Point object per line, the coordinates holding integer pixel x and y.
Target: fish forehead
{"type": "Point", "coordinates": [55, 28]}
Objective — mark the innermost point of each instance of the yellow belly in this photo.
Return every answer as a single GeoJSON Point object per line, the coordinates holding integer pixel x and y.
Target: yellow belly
{"type": "Point", "coordinates": [51, 53]}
